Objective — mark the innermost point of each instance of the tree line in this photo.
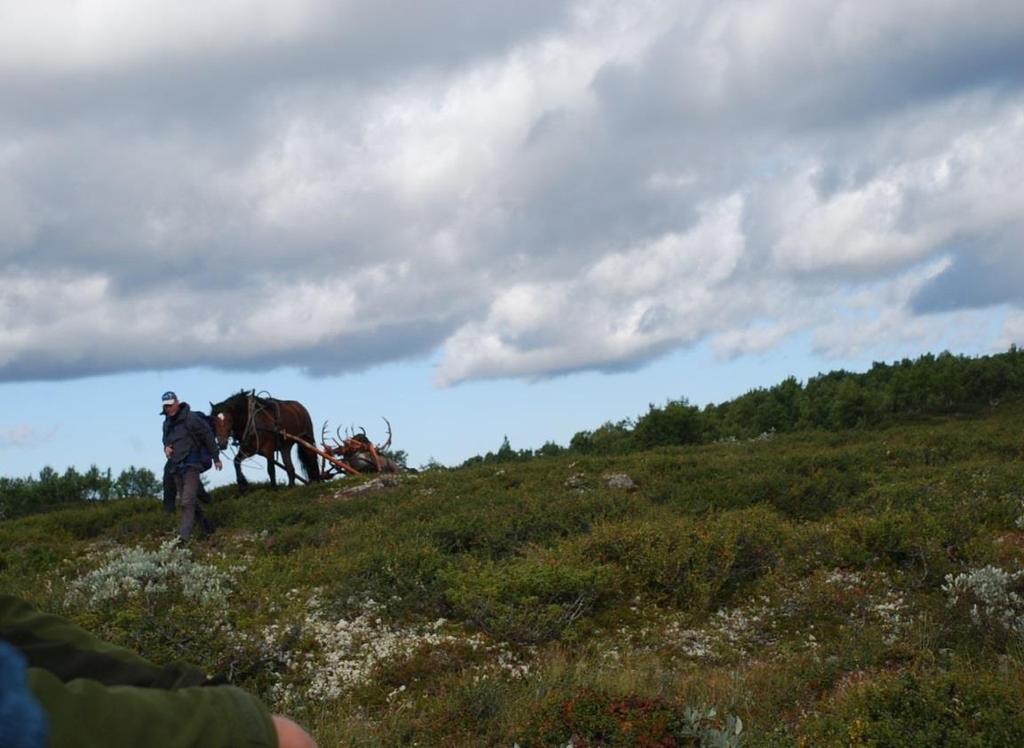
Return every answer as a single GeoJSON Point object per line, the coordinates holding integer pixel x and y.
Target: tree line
{"type": "Point", "coordinates": [20, 496]}
{"type": "Point", "coordinates": [928, 385]}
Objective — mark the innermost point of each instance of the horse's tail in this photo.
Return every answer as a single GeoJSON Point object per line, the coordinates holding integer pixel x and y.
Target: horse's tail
{"type": "Point", "coordinates": [308, 458]}
{"type": "Point", "coordinates": [310, 463]}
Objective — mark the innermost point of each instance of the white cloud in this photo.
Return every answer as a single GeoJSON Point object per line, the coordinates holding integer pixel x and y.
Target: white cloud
{"type": "Point", "coordinates": [63, 36]}
{"type": "Point", "coordinates": [24, 435]}
{"type": "Point", "coordinates": [529, 189]}
{"type": "Point", "coordinates": [909, 210]}
{"type": "Point", "coordinates": [629, 305]}
{"type": "Point", "coordinates": [1013, 331]}
{"type": "Point", "coordinates": [756, 338]}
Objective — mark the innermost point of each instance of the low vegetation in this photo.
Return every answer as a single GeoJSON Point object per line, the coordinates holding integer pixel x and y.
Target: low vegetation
{"type": "Point", "coordinates": [815, 588]}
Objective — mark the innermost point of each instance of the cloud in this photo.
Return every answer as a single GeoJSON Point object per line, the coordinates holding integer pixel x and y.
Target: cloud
{"type": "Point", "coordinates": [24, 435]}
{"type": "Point", "coordinates": [1013, 330]}
{"type": "Point", "coordinates": [627, 307]}
{"type": "Point", "coordinates": [527, 189]}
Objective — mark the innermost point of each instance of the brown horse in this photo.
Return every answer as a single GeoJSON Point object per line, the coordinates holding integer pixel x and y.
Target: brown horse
{"type": "Point", "coordinates": [264, 425]}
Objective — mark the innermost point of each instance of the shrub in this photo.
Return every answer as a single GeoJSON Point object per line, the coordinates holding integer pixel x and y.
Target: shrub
{"type": "Point", "coordinates": [405, 577]}
{"type": "Point", "coordinates": [136, 571]}
{"type": "Point", "coordinates": [659, 558]}
{"type": "Point", "coordinates": [901, 540]}
{"type": "Point", "coordinates": [529, 599]}
{"type": "Point", "coordinates": [693, 564]}
{"type": "Point", "coordinates": [913, 540]}
{"type": "Point", "coordinates": [161, 603]}
{"type": "Point", "coordinates": [991, 598]}
{"type": "Point", "coordinates": [812, 488]}
{"type": "Point", "coordinates": [596, 717]}
{"type": "Point", "coordinates": [980, 710]}
{"type": "Point", "coordinates": [466, 531]}
{"type": "Point", "coordinates": [290, 538]}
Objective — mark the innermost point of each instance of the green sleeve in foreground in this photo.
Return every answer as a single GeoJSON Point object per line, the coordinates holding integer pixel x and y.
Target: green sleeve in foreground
{"type": "Point", "coordinates": [69, 651]}
{"type": "Point", "coordinates": [86, 714]}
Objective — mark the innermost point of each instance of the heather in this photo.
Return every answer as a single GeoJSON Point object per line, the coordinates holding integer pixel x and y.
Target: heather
{"type": "Point", "coordinates": [822, 587]}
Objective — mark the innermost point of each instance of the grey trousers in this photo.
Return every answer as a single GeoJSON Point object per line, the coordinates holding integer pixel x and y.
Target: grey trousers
{"type": "Point", "coordinates": [171, 491]}
{"type": "Point", "coordinates": [187, 484]}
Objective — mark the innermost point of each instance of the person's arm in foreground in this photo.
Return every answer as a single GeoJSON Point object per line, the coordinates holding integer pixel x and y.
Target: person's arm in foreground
{"type": "Point", "coordinates": [96, 693]}
{"type": "Point", "coordinates": [68, 651]}
{"type": "Point", "coordinates": [85, 713]}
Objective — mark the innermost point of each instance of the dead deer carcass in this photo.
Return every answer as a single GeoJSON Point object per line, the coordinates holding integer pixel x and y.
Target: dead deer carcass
{"type": "Point", "coordinates": [359, 453]}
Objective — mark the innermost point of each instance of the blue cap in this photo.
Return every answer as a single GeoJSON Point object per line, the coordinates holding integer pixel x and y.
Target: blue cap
{"type": "Point", "coordinates": [169, 398]}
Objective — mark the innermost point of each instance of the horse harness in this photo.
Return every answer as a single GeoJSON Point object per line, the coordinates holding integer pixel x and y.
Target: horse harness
{"type": "Point", "coordinates": [255, 407]}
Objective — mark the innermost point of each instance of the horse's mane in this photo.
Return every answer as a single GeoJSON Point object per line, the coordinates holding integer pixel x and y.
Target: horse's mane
{"type": "Point", "coordinates": [239, 403]}
{"type": "Point", "coordinates": [232, 404]}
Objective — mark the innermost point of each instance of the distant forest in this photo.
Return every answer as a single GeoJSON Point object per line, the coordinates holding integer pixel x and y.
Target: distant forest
{"type": "Point", "coordinates": [21, 496]}
{"type": "Point", "coordinates": [929, 385]}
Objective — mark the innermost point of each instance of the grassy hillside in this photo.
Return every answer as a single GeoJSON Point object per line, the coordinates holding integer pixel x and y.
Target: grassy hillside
{"type": "Point", "coordinates": [853, 588]}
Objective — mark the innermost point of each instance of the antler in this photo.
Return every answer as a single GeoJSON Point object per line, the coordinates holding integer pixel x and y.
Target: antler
{"type": "Point", "coordinates": [388, 442]}
{"type": "Point", "coordinates": [333, 446]}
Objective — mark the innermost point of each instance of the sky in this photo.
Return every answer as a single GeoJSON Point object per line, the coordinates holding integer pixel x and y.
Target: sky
{"type": "Point", "coordinates": [490, 219]}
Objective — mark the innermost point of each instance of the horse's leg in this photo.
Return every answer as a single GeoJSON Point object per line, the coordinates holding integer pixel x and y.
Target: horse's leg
{"type": "Point", "coordinates": [289, 466]}
{"type": "Point", "coordinates": [243, 484]}
{"type": "Point", "coordinates": [271, 468]}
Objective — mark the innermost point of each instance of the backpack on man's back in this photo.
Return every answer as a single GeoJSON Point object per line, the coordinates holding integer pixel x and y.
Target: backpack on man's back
{"type": "Point", "coordinates": [203, 458]}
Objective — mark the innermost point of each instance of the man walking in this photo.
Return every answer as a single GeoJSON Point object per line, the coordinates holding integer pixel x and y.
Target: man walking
{"type": "Point", "coordinates": [186, 436]}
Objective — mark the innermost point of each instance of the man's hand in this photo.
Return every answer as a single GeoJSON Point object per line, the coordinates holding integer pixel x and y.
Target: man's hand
{"type": "Point", "coordinates": [290, 735]}
{"type": "Point", "coordinates": [218, 464]}
{"type": "Point", "coordinates": [168, 450]}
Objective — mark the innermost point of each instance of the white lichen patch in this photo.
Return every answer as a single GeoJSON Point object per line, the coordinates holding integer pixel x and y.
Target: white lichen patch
{"type": "Point", "coordinates": [872, 600]}
{"type": "Point", "coordinates": [729, 632]}
{"type": "Point", "coordinates": [127, 572]}
{"type": "Point", "coordinates": [332, 655]}
{"type": "Point", "coordinates": [992, 596]}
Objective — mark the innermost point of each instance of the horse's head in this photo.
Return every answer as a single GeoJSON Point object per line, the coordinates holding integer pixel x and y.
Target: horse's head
{"type": "Point", "coordinates": [223, 423]}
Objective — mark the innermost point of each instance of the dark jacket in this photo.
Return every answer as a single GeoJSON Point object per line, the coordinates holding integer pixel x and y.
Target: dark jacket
{"type": "Point", "coordinates": [187, 433]}
{"type": "Point", "coordinates": [22, 722]}
{"type": "Point", "coordinates": [97, 694]}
